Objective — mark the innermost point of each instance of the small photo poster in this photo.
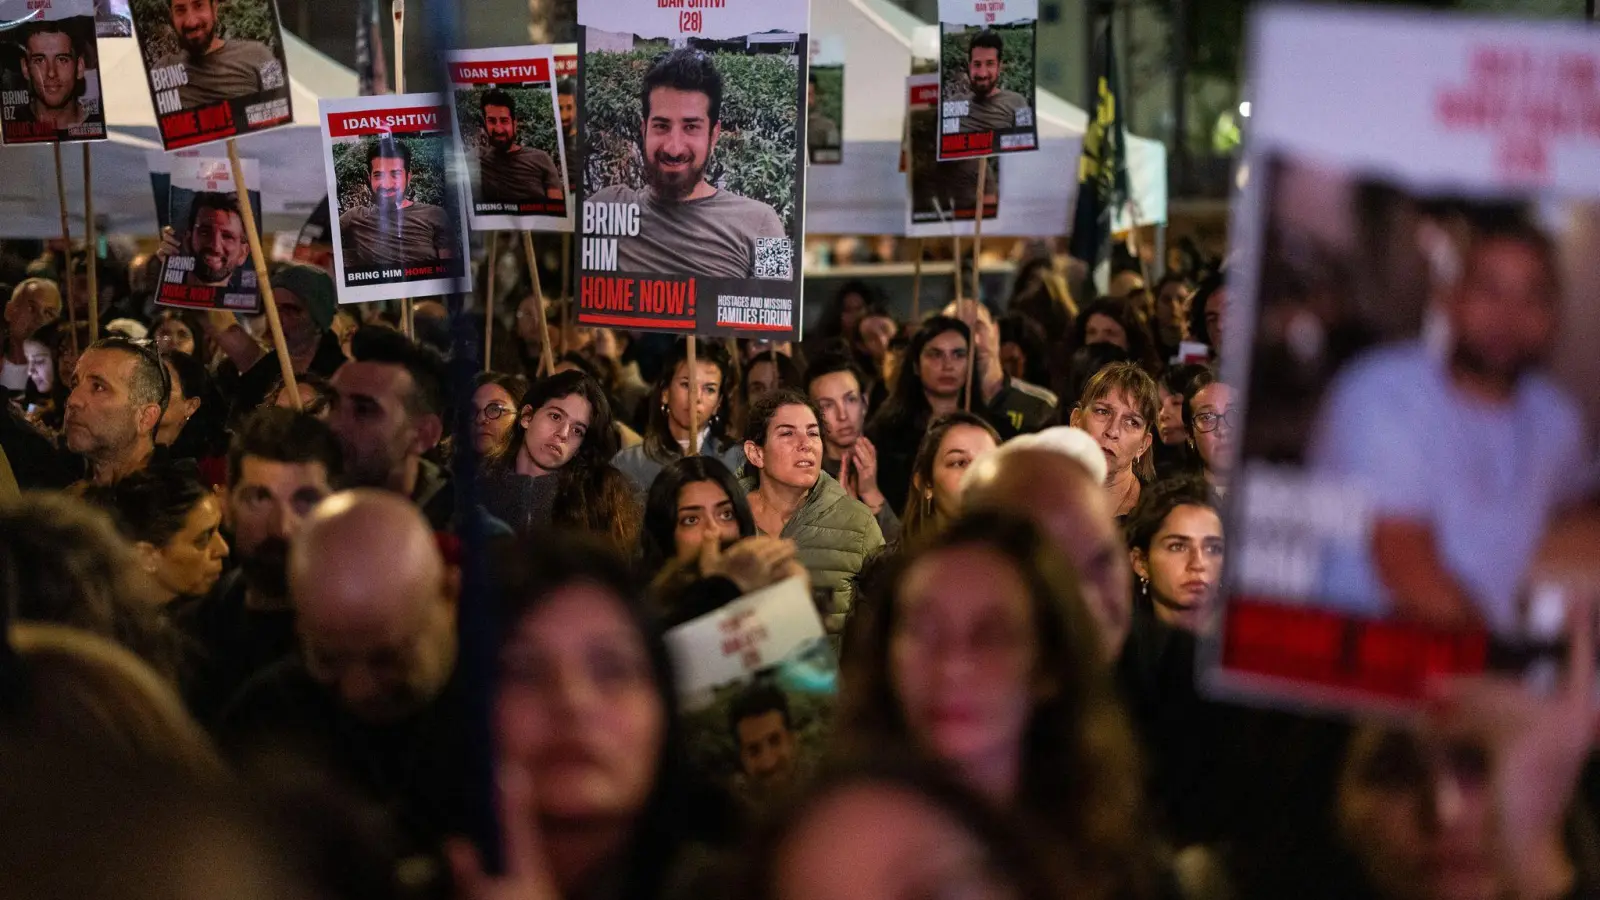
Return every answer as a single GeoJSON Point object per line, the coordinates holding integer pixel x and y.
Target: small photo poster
{"type": "Point", "coordinates": [987, 97]}
{"type": "Point", "coordinates": [693, 147]}
{"type": "Point", "coordinates": [509, 132]}
{"type": "Point", "coordinates": [943, 196]}
{"type": "Point", "coordinates": [212, 268]}
{"type": "Point", "coordinates": [215, 70]}
{"type": "Point", "coordinates": [50, 73]}
{"type": "Point", "coordinates": [399, 229]}
{"type": "Point", "coordinates": [825, 101]}
{"type": "Point", "coordinates": [757, 680]}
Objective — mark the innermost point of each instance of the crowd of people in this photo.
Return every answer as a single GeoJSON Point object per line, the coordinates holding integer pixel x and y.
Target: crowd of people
{"type": "Point", "coordinates": [266, 611]}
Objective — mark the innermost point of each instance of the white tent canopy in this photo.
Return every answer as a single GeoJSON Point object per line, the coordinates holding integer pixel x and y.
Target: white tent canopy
{"type": "Point", "coordinates": [292, 182]}
{"type": "Point", "coordinates": [865, 194]}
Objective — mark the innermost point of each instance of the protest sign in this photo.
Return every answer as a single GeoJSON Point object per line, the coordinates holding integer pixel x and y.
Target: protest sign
{"type": "Point", "coordinates": [113, 18]}
{"type": "Point", "coordinates": [50, 73]}
{"type": "Point", "coordinates": [1409, 331]}
{"type": "Point", "coordinates": [508, 131]}
{"type": "Point", "coordinates": [693, 186]}
{"type": "Point", "coordinates": [943, 197]}
{"type": "Point", "coordinates": [986, 78]}
{"type": "Point", "coordinates": [214, 70]}
{"type": "Point", "coordinates": [825, 101]}
{"type": "Point", "coordinates": [757, 681]}
{"type": "Point", "coordinates": [399, 231]}
{"type": "Point", "coordinates": [211, 269]}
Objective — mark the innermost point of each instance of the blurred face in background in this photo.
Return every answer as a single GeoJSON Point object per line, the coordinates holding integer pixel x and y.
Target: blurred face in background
{"type": "Point", "coordinates": [494, 414]}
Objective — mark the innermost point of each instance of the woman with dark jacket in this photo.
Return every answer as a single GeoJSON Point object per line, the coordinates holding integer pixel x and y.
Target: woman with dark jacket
{"type": "Point", "coordinates": [556, 468]}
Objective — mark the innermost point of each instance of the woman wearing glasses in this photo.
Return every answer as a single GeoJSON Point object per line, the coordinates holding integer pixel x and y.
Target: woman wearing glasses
{"type": "Point", "coordinates": [1209, 417]}
{"type": "Point", "coordinates": [494, 412]}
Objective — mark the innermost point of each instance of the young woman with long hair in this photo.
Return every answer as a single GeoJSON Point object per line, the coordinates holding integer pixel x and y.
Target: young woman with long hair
{"type": "Point", "coordinates": [666, 436]}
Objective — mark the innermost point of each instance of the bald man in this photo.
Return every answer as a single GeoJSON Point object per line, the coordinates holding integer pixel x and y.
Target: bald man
{"type": "Point", "coordinates": [1059, 493]}
{"type": "Point", "coordinates": [34, 304]}
{"type": "Point", "coordinates": [373, 693]}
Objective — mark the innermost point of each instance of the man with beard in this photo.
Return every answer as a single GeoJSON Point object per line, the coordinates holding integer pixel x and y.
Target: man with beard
{"type": "Point", "coordinates": [1462, 456]}
{"type": "Point", "coordinates": [394, 231]}
{"type": "Point", "coordinates": [216, 69]}
{"type": "Point", "coordinates": [387, 409]}
{"type": "Point", "coordinates": [216, 240]}
{"type": "Point", "coordinates": [119, 393]}
{"type": "Point", "coordinates": [509, 172]}
{"type": "Point", "coordinates": [991, 107]}
{"type": "Point", "coordinates": [567, 103]}
{"type": "Point", "coordinates": [53, 63]}
{"type": "Point", "coordinates": [373, 692]}
{"type": "Point", "coordinates": [281, 464]}
{"type": "Point", "coordinates": [686, 225]}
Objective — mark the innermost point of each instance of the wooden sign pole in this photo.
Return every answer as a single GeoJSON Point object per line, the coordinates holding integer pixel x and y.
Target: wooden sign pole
{"type": "Point", "coordinates": [490, 257]}
{"type": "Point", "coordinates": [93, 248]}
{"type": "Point", "coordinates": [916, 282]}
{"type": "Point", "coordinates": [66, 252]}
{"type": "Point", "coordinates": [547, 363]}
{"type": "Point", "coordinates": [694, 406]}
{"type": "Point", "coordinates": [408, 306]}
{"type": "Point", "coordinates": [263, 277]}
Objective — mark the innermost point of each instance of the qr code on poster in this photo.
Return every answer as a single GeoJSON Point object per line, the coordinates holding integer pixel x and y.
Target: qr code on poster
{"type": "Point", "coordinates": [271, 75]}
{"type": "Point", "coordinates": [774, 258]}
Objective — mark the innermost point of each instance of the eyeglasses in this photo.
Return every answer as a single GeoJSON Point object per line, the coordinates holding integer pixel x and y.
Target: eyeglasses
{"type": "Point", "coordinates": [1207, 422]}
{"type": "Point", "coordinates": [491, 412]}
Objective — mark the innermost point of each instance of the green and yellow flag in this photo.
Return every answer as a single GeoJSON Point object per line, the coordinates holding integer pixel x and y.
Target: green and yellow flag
{"type": "Point", "coordinates": [1103, 166]}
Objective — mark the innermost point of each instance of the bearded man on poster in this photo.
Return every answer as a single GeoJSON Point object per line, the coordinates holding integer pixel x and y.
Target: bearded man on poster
{"type": "Point", "coordinates": [687, 226]}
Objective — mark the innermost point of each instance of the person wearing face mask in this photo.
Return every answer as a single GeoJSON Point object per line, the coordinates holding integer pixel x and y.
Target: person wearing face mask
{"type": "Point", "coordinates": [1209, 418]}
{"type": "Point", "coordinates": [666, 436]}
{"type": "Point", "coordinates": [557, 469]}
{"type": "Point", "coordinates": [175, 525]}
{"type": "Point", "coordinates": [1119, 410]}
{"type": "Point", "coordinates": [1120, 322]}
{"type": "Point", "coordinates": [791, 497]}
{"type": "Point", "coordinates": [953, 443]}
{"type": "Point", "coordinates": [991, 596]}
{"type": "Point", "coordinates": [596, 795]}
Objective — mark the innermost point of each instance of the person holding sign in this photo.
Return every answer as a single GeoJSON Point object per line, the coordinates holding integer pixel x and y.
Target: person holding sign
{"type": "Point", "coordinates": [216, 69]}
{"type": "Point", "coordinates": [510, 172]}
{"type": "Point", "coordinates": [991, 107]}
{"type": "Point", "coordinates": [394, 230]}
{"type": "Point", "coordinates": [680, 223]}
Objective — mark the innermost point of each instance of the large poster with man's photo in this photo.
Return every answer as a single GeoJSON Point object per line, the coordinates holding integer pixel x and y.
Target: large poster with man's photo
{"type": "Point", "coordinates": [49, 73]}
{"type": "Point", "coordinates": [825, 101]}
{"type": "Point", "coordinates": [757, 680]}
{"type": "Point", "coordinates": [943, 196]}
{"type": "Point", "coordinates": [986, 77]}
{"type": "Point", "coordinates": [1410, 391]}
{"type": "Point", "coordinates": [215, 68]}
{"type": "Point", "coordinates": [693, 143]}
{"type": "Point", "coordinates": [212, 268]}
{"type": "Point", "coordinates": [399, 228]}
{"type": "Point", "coordinates": [508, 130]}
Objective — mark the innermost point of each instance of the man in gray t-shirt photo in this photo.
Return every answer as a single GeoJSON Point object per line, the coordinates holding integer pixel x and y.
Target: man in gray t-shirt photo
{"type": "Point", "coordinates": [217, 69]}
{"type": "Point", "coordinates": [991, 107]}
{"type": "Point", "coordinates": [686, 225]}
{"type": "Point", "coordinates": [507, 171]}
